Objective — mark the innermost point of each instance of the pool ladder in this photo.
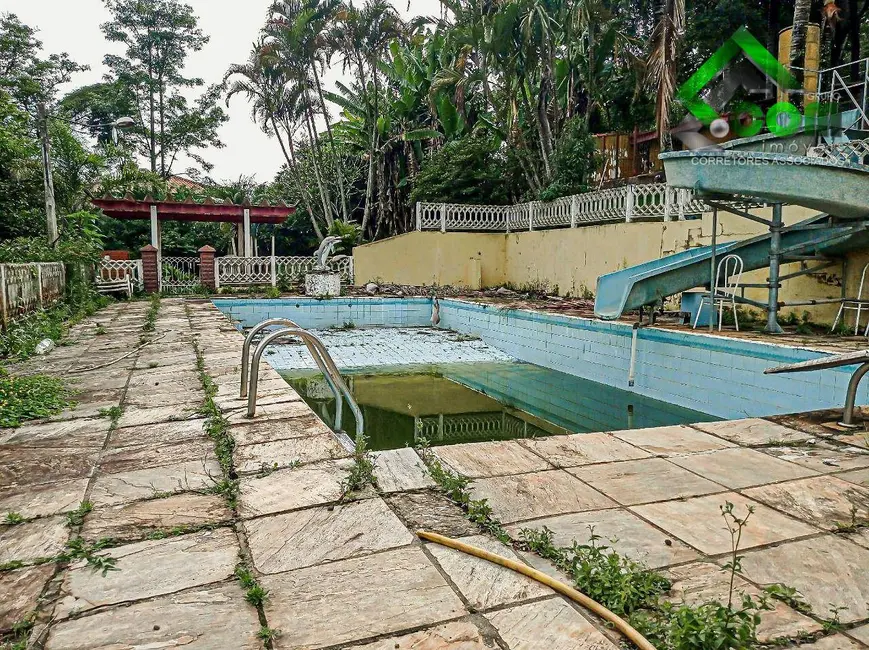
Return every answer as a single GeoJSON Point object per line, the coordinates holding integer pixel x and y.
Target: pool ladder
{"type": "Point", "coordinates": [321, 356]}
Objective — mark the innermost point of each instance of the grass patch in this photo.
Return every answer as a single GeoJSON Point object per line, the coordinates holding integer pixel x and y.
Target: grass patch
{"type": "Point", "coordinates": [267, 634]}
{"type": "Point", "coordinates": [13, 519]}
{"type": "Point", "coordinates": [22, 336]}
{"type": "Point", "coordinates": [114, 414]}
{"type": "Point", "coordinates": [30, 398]}
{"type": "Point", "coordinates": [151, 315]}
{"type": "Point", "coordinates": [255, 593]}
{"type": "Point", "coordinates": [455, 487]}
{"type": "Point", "coordinates": [19, 635]}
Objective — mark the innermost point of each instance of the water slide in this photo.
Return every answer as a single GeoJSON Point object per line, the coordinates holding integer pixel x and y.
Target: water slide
{"type": "Point", "coordinates": [650, 282]}
{"type": "Point", "coordinates": [833, 179]}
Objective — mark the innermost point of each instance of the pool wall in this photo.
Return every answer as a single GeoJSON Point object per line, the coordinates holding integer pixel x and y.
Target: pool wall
{"type": "Point", "coordinates": [717, 375]}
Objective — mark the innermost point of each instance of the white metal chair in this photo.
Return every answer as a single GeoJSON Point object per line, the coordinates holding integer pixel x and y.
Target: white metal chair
{"type": "Point", "coordinates": [728, 273]}
{"type": "Point", "coordinates": [857, 304]}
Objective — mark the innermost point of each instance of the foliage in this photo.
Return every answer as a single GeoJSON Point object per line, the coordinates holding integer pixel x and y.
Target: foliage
{"type": "Point", "coordinates": [158, 36]}
{"type": "Point", "coordinates": [619, 584]}
{"type": "Point", "coordinates": [79, 549]}
{"type": "Point", "coordinates": [573, 161]}
{"type": "Point", "coordinates": [76, 517]}
{"type": "Point", "coordinates": [255, 594]}
{"type": "Point", "coordinates": [30, 398]}
{"type": "Point", "coordinates": [362, 472]}
{"type": "Point", "coordinates": [455, 487]}
{"type": "Point", "coordinates": [350, 234]}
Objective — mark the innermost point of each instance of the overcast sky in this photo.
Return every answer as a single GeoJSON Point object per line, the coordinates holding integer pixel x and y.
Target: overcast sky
{"type": "Point", "coordinates": [73, 26]}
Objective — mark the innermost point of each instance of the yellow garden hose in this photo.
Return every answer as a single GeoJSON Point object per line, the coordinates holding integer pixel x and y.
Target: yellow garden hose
{"type": "Point", "coordinates": [620, 624]}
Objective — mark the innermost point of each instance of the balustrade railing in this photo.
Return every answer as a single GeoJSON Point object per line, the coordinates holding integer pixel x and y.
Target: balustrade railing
{"type": "Point", "coordinates": [113, 270]}
{"type": "Point", "coordinates": [24, 288]}
{"type": "Point", "coordinates": [271, 270]}
{"type": "Point", "coordinates": [653, 201]}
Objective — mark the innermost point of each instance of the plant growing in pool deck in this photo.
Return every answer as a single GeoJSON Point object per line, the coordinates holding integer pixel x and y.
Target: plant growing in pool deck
{"type": "Point", "coordinates": [79, 549]}
{"type": "Point", "coordinates": [30, 398]}
{"type": "Point", "coordinates": [455, 487]}
{"type": "Point", "coordinates": [362, 472]}
{"type": "Point", "coordinates": [76, 517]}
{"type": "Point", "coordinates": [631, 589]}
{"type": "Point", "coordinates": [13, 519]}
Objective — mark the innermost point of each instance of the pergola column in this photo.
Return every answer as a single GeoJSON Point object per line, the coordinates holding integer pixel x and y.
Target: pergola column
{"type": "Point", "coordinates": [248, 249]}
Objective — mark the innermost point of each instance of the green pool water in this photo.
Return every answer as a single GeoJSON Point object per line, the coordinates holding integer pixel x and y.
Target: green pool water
{"type": "Point", "coordinates": [456, 403]}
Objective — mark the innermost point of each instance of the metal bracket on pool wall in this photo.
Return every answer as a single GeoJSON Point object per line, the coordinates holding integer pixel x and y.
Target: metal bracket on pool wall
{"type": "Point", "coordinates": [634, 337]}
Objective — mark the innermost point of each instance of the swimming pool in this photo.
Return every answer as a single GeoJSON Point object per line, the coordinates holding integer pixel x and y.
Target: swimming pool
{"type": "Point", "coordinates": [474, 402]}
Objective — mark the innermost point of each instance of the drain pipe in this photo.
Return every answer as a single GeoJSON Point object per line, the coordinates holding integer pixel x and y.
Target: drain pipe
{"type": "Point", "coordinates": [634, 337]}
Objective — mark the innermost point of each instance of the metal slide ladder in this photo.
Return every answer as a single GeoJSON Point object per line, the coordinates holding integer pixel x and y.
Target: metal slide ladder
{"type": "Point", "coordinates": [324, 361]}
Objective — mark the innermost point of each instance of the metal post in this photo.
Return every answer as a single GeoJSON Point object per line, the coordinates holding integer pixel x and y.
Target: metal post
{"type": "Point", "coordinates": [772, 326]}
{"type": "Point", "coordinates": [712, 271]}
{"type": "Point", "coordinates": [851, 397]}
{"type": "Point", "coordinates": [47, 177]}
{"type": "Point", "coordinates": [155, 236]}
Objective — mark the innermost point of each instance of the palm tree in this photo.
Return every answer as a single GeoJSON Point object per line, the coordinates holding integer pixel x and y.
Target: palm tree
{"type": "Point", "coordinates": [663, 62]}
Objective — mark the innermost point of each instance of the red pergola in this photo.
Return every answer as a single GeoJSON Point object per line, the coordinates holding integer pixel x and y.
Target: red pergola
{"type": "Point", "coordinates": [207, 211]}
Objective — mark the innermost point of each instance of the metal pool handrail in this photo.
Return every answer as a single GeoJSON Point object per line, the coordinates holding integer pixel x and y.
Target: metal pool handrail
{"type": "Point", "coordinates": [331, 370]}
{"type": "Point", "coordinates": [316, 354]}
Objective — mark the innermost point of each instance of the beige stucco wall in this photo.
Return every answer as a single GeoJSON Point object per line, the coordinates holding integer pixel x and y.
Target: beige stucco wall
{"type": "Point", "coordinates": [570, 260]}
{"type": "Point", "coordinates": [433, 258]}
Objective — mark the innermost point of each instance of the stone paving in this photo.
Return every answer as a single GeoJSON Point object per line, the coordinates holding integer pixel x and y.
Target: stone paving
{"type": "Point", "coordinates": [353, 574]}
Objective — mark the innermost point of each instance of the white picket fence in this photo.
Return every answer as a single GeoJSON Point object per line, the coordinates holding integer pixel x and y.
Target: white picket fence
{"type": "Point", "coordinates": [270, 270]}
{"type": "Point", "coordinates": [24, 288]}
{"type": "Point", "coordinates": [627, 203]}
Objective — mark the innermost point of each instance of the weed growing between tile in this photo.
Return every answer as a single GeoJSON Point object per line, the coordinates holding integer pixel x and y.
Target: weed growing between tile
{"type": "Point", "coordinates": [30, 398]}
{"type": "Point", "coordinates": [632, 590]}
{"type": "Point", "coordinates": [362, 472]}
{"type": "Point", "coordinates": [19, 636]}
{"type": "Point", "coordinates": [76, 517]}
{"type": "Point", "coordinates": [455, 487]}
{"type": "Point", "coordinates": [114, 414]}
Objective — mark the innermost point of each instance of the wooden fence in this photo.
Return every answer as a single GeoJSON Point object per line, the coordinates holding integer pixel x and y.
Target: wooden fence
{"type": "Point", "coordinates": [24, 288]}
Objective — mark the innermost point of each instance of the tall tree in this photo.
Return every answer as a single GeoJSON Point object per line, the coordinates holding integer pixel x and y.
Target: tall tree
{"type": "Point", "coordinates": [158, 36]}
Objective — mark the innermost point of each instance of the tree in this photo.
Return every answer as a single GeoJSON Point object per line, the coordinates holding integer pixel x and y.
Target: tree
{"type": "Point", "coordinates": [158, 36]}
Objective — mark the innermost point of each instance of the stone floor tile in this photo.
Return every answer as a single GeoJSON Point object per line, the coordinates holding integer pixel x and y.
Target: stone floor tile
{"type": "Point", "coordinates": [823, 457]}
{"type": "Point", "coordinates": [833, 642]}
{"type": "Point", "coordinates": [157, 434]}
{"type": "Point", "coordinates": [618, 529]}
{"type": "Point", "coordinates": [123, 487]}
{"type": "Point", "coordinates": [141, 398]}
{"type": "Point", "coordinates": [80, 433]}
{"type": "Point", "coordinates": [698, 522]}
{"type": "Point", "coordinates": [304, 425]}
{"type": "Point", "coordinates": [137, 416]}
{"type": "Point", "coordinates": [212, 617]}
{"type": "Point", "coordinates": [859, 537]}
{"type": "Point", "coordinates": [496, 458]}
{"type": "Point", "coordinates": [547, 625]}
{"type": "Point", "coordinates": [140, 519]}
{"type": "Point", "coordinates": [752, 431]}
{"type": "Point", "coordinates": [287, 453]}
{"type": "Point", "coordinates": [290, 489]}
{"type": "Point", "coordinates": [430, 510]}
{"type": "Point", "coordinates": [397, 470]}
{"type": "Point", "coordinates": [642, 481]}
{"type": "Point", "coordinates": [702, 582]}
{"type": "Point", "coordinates": [20, 591]}
{"type": "Point", "coordinates": [358, 599]}
{"type": "Point", "coordinates": [672, 441]}
{"type": "Point", "coordinates": [307, 537]}
{"type": "Point", "coordinates": [458, 635]}
{"type": "Point", "coordinates": [151, 568]}
{"type": "Point", "coordinates": [541, 494]}
{"type": "Point", "coordinates": [33, 540]}
{"type": "Point", "coordinates": [583, 449]}
{"type": "Point", "coordinates": [860, 633]}
{"type": "Point", "coordinates": [34, 466]}
{"type": "Point", "coordinates": [485, 584]}
{"type": "Point", "coordinates": [152, 377]}
{"type": "Point", "coordinates": [43, 500]}
{"type": "Point", "coordinates": [126, 459]}
{"type": "Point", "coordinates": [826, 570]}
{"type": "Point", "coordinates": [740, 467]}
{"type": "Point", "coordinates": [824, 501]}
{"type": "Point", "coordinates": [266, 413]}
